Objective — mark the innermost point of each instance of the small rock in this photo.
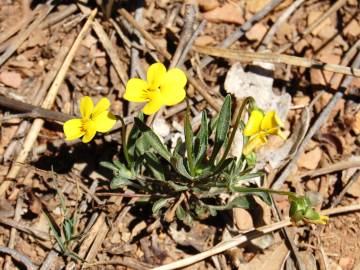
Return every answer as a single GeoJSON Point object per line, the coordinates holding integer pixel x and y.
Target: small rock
{"type": "Point", "coordinates": [352, 29]}
{"type": "Point", "coordinates": [346, 263]}
{"type": "Point", "coordinates": [299, 46]}
{"type": "Point", "coordinates": [257, 32]}
{"type": "Point", "coordinates": [254, 6]}
{"type": "Point", "coordinates": [243, 219]}
{"type": "Point", "coordinates": [229, 13]}
{"type": "Point", "coordinates": [204, 40]}
{"type": "Point", "coordinates": [355, 124]}
{"type": "Point", "coordinates": [100, 61]}
{"type": "Point", "coordinates": [311, 159]}
{"type": "Point", "coordinates": [207, 5]}
{"type": "Point", "coordinates": [11, 78]}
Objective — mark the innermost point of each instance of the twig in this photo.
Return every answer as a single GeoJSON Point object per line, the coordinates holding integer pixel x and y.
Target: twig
{"type": "Point", "coordinates": [276, 58]}
{"type": "Point", "coordinates": [189, 20]}
{"type": "Point", "coordinates": [187, 48]}
{"type": "Point", "coordinates": [24, 228]}
{"type": "Point", "coordinates": [312, 26]}
{"type": "Point", "coordinates": [47, 104]}
{"type": "Point", "coordinates": [135, 64]}
{"type": "Point", "coordinates": [315, 127]}
{"type": "Point", "coordinates": [351, 181]}
{"type": "Point", "coordinates": [339, 166]}
{"type": "Point", "coordinates": [23, 35]}
{"type": "Point", "coordinates": [274, 28]}
{"type": "Point", "coordinates": [19, 257]}
{"type": "Point", "coordinates": [58, 16]}
{"type": "Point", "coordinates": [17, 217]}
{"type": "Point", "coordinates": [33, 111]}
{"type": "Point", "coordinates": [240, 31]}
{"type": "Point", "coordinates": [239, 239]}
{"type": "Point", "coordinates": [144, 33]}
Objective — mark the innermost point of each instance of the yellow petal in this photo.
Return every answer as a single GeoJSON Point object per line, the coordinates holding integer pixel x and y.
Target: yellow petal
{"type": "Point", "coordinates": [253, 125]}
{"type": "Point", "coordinates": [90, 132]}
{"type": "Point", "coordinates": [254, 143]}
{"type": "Point", "coordinates": [154, 75]}
{"type": "Point", "coordinates": [100, 107]}
{"type": "Point", "coordinates": [136, 90]}
{"type": "Point", "coordinates": [104, 121]}
{"type": "Point", "coordinates": [72, 129]}
{"type": "Point", "coordinates": [276, 131]}
{"type": "Point", "coordinates": [271, 120]}
{"type": "Point", "coordinates": [154, 104]}
{"type": "Point", "coordinates": [172, 86]}
{"type": "Point", "coordinates": [86, 107]}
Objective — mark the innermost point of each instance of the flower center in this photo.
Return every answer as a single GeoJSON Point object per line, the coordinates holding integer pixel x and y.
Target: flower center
{"type": "Point", "coordinates": [85, 123]}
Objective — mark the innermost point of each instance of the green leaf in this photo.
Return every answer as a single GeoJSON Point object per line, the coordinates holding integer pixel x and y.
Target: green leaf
{"type": "Point", "coordinates": [133, 136]}
{"type": "Point", "coordinates": [109, 165]}
{"type": "Point", "coordinates": [154, 164]}
{"type": "Point", "coordinates": [159, 204]}
{"type": "Point", "coordinates": [153, 140]}
{"type": "Point", "coordinates": [201, 140]}
{"type": "Point", "coordinates": [68, 229]}
{"type": "Point", "coordinates": [180, 213]}
{"type": "Point", "coordinates": [189, 137]}
{"type": "Point", "coordinates": [118, 182]}
{"type": "Point", "coordinates": [177, 162]}
{"type": "Point", "coordinates": [222, 127]}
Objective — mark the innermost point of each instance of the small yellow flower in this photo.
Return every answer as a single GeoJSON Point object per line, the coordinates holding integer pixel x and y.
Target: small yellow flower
{"type": "Point", "coordinates": [259, 126]}
{"type": "Point", "coordinates": [93, 120]}
{"type": "Point", "coordinates": [161, 88]}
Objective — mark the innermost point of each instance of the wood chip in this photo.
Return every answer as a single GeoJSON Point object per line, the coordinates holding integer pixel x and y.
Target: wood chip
{"type": "Point", "coordinates": [11, 78]}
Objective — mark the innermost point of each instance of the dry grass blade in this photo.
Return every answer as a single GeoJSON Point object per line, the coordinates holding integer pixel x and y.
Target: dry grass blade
{"type": "Point", "coordinates": [246, 56]}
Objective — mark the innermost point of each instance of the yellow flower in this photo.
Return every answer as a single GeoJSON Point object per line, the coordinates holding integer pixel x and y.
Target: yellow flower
{"type": "Point", "coordinates": [161, 88]}
{"type": "Point", "coordinates": [93, 120]}
{"type": "Point", "coordinates": [259, 126]}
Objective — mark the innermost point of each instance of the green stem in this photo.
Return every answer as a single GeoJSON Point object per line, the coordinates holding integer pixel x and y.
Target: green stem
{"type": "Point", "coordinates": [268, 190]}
{"type": "Point", "coordinates": [123, 141]}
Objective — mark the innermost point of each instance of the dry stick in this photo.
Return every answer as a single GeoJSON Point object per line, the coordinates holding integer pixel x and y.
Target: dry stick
{"type": "Point", "coordinates": [187, 48]}
{"type": "Point", "coordinates": [164, 53]}
{"type": "Point", "coordinates": [126, 261]}
{"type": "Point", "coordinates": [20, 38]}
{"type": "Point", "coordinates": [338, 166]}
{"type": "Point", "coordinates": [134, 52]}
{"type": "Point", "coordinates": [315, 127]}
{"type": "Point", "coordinates": [351, 181]}
{"type": "Point", "coordinates": [58, 16]}
{"type": "Point", "coordinates": [108, 46]}
{"type": "Point", "coordinates": [19, 257]}
{"type": "Point", "coordinates": [35, 111]}
{"type": "Point", "coordinates": [240, 239]}
{"type": "Point", "coordinates": [47, 104]}
{"type": "Point", "coordinates": [240, 31]}
{"type": "Point", "coordinates": [311, 27]}
{"type": "Point", "coordinates": [246, 56]}
{"type": "Point", "coordinates": [190, 15]}
{"type": "Point", "coordinates": [17, 217]}
{"type": "Point", "coordinates": [275, 27]}
{"type": "Point", "coordinates": [24, 228]}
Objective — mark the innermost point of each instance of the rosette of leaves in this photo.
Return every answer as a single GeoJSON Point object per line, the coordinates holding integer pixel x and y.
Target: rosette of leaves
{"type": "Point", "coordinates": [189, 180]}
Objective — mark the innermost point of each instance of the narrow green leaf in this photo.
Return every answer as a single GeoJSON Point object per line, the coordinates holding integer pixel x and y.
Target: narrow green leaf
{"type": "Point", "coordinates": [222, 127]}
{"type": "Point", "coordinates": [154, 164]}
{"type": "Point", "coordinates": [153, 139]}
{"type": "Point", "coordinates": [189, 137]}
{"type": "Point", "coordinates": [159, 204]}
{"type": "Point", "coordinates": [177, 162]}
{"type": "Point", "coordinates": [202, 140]}
{"type": "Point", "coordinates": [118, 182]}
{"type": "Point", "coordinates": [180, 213]}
